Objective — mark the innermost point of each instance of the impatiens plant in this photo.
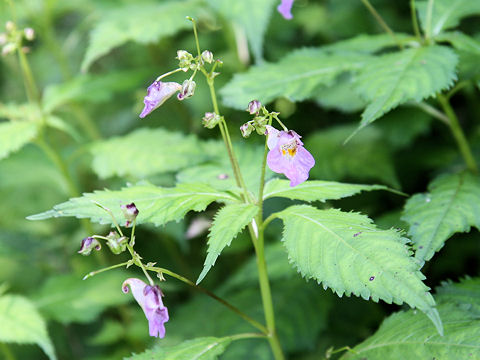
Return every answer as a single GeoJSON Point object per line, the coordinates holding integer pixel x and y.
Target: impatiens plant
{"type": "Point", "coordinates": [277, 224]}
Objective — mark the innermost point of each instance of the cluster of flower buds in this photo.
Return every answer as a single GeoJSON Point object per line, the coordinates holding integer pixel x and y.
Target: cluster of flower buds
{"type": "Point", "coordinates": [12, 38]}
{"type": "Point", "coordinates": [186, 61]}
{"type": "Point", "coordinates": [116, 243]}
{"type": "Point", "coordinates": [211, 119]}
{"type": "Point", "coordinates": [259, 122]}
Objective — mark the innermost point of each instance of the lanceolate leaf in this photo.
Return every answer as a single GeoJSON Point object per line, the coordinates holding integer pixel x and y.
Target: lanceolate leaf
{"type": "Point", "coordinates": [314, 190]}
{"type": "Point", "coordinates": [206, 348]}
{"type": "Point", "coordinates": [446, 14]}
{"type": "Point", "coordinates": [229, 221]}
{"type": "Point", "coordinates": [21, 323]}
{"type": "Point", "coordinates": [145, 152]}
{"type": "Point", "coordinates": [16, 134]}
{"type": "Point", "coordinates": [138, 22]}
{"type": "Point", "coordinates": [251, 15]}
{"type": "Point", "coordinates": [407, 335]}
{"type": "Point", "coordinates": [295, 77]}
{"type": "Point", "coordinates": [408, 75]}
{"type": "Point", "coordinates": [156, 205]}
{"type": "Point", "coordinates": [451, 205]}
{"type": "Point", "coordinates": [347, 253]}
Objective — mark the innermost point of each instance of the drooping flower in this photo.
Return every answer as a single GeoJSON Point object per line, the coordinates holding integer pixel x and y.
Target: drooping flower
{"type": "Point", "coordinates": [88, 244]}
{"type": "Point", "coordinates": [288, 156]}
{"type": "Point", "coordinates": [157, 94]}
{"type": "Point", "coordinates": [285, 9]}
{"type": "Point", "coordinates": [150, 300]}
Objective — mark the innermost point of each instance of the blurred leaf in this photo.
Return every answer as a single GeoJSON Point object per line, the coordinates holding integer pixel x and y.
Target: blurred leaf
{"type": "Point", "coordinates": [156, 205]}
{"type": "Point", "coordinates": [349, 254]}
{"type": "Point", "coordinates": [68, 298]}
{"type": "Point", "coordinates": [21, 323]}
{"type": "Point", "coordinates": [110, 332]}
{"type": "Point", "coordinates": [145, 152]}
{"type": "Point", "coordinates": [205, 348]}
{"type": "Point", "coordinates": [15, 134]}
{"type": "Point", "coordinates": [91, 88]}
{"type": "Point", "coordinates": [461, 41]}
{"type": "Point", "coordinates": [140, 22]}
{"type": "Point", "coordinates": [368, 44]}
{"type": "Point", "coordinates": [340, 95]}
{"type": "Point", "coordinates": [313, 190]}
{"type": "Point", "coordinates": [451, 205]}
{"type": "Point", "coordinates": [364, 157]}
{"type": "Point", "coordinates": [446, 14]}
{"type": "Point", "coordinates": [296, 77]}
{"type": "Point", "coordinates": [228, 222]}
{"type": "Point", "coordinates": [252, 15]}
{"type": "Point", "coordinates": [408, 75]}
{"type": "Point", "coordinates": [407, 335]}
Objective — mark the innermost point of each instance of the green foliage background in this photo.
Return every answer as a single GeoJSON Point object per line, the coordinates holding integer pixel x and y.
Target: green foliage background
{"type": "Point", "coordinates": [331, 72]}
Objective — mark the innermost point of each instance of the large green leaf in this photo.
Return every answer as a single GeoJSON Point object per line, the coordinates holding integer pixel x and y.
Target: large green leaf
{"type": "Point", "coordinates": [251, 15]}
{"type": "Point", "coordinates": [66, 298]}
{"type": "Point", "coordinates": [156, 205]}
{"type": "Point", "coordinates": [140, 22]}
{"type": "Point", "coordinates": [145, 152]}
{"type": "Point", "coordinates": [367, 44]}
{"type": "Point", "coordinates": [451, 205]}
{"type": "Point", "coordinates": [464, 293]}
{"type": "Point", "coordinates": [461, 41]}
{"type": "Point", "coordinates": [15, 134]}
{"type": "Point", "coordinates": [205, 348]}
{"type": "Point", "coordinates": [296, 77]}
{"type": "Point", "coordinates": [314, 190]}
{"type": "Point", "coordinates": [408, 75]}
{"type": "Point", "coordinates": [229, 221]}
{"type": "Point", "coordinates": [407, 335]}
{"type": "Point", "coordinates": [446, 14]}
{"type": "Point", "coordinates": [349, 254]}
{"type": "Point", "coordinates": [366, 157]}
{"type": "Point", "coordinates": [21, 323]}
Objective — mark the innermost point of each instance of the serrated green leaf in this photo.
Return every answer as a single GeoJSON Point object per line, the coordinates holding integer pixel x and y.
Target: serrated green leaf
{"type": "Point", "coordinates": [205, 348]}
{"type": "Point", "coordinates": [349, 254]}
{"type": "Point", "coordinates": [296, 77]}
{"type": "Point", "coordinates": [314, 190]}
{"type": "Point", "coordinates": [464, 293]}
{"type": "Point", "coordinates": [15, 134]}
{"type": "Point", "coordinates": [67, 299]}
{"type": "Point", "coordinates": [407, 335]}
{"type": "Point", "coordinates": [446, 14]}
{"type": "Point", "coordinates": [91, 88]}
{"type": "Point", "coordinates": [146, 152]}
{"type": "Point", "coordinates": [229, 221]}
{"type": "Point", "coordinates": [366, 157]}
{"type": "Point", "coordinates": [253, 17]}
{"type": "Point", "coordinates": [139, 22]}
{"type": "Point", "coordinates": [21, 323]}
{"type": "Point", "coordinates": [451, 205]}
{"type": "Point", "coordinates": [408, 75]}
{"type": "Point", "coordinates": [156, 205]}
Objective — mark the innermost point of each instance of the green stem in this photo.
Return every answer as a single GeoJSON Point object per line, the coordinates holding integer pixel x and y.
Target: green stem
{"type": "Point", "coordinates": [458, 134]}
{"type": "Point", "coordinates": [7, 352]}
{"type": "Point", "coordinates": [382, 22]}
{"type": "Point", "coordinates": [428, 21]}
{"type": "Point", "coordinates": [93, 273]}
{"type": "Point", "coordinates": [30, 84]}
{"type": "Point", "coordinates": [433, 112]}
{"type": "Point", "coordinates": [413, 12]}
{"type": "Point", "coordinates": [246, 336]}
{"type": "Point", "coordinates": [137, 260]}
{"type": "Point", "coordinates": [244, 316]}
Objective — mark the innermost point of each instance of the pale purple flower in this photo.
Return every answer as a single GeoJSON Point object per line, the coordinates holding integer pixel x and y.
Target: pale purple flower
{"type": "Point", "coordinates": [130, 212]}
{"type": "Point", "coordinates": [288, 156]}
{"type": "Point", "coordinates": [157, 94]}
{"type": "Point", "coordinates": [285, 9]}
{"type": "Point", "coordinates": [150, 300]}
{"type": "Point", "coordinates": [254, 107]}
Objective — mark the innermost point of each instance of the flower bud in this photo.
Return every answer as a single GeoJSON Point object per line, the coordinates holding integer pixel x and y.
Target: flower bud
{"type": "Point", "coordinates": [116, 243]}
{"type": "Point", "coordinates": [9, 48]}
{"type": "Point", "coordinates": [210, 120]}
{"type": "Point", "coordinates": [254, 107]}
{"type": "Point", "coordinates": [207, 56]}
{"type": "Point", "coordinates": [29, 34]}
{"type": "Point", "coordinates": [246, 129]}
{"type": "Point", "coordinates": [130, 212]}
{"type": "Point", "coordinates": [188, 89]}
{"type": "Point", "coordinates": [88, 244]}
{"type": "Point", "coordinates": [260, 124]}
{"type": "Point", "coordinates": [185, 59]}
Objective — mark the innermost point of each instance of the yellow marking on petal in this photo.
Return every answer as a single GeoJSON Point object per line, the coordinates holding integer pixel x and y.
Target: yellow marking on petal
{"type": "Point", "coordinates": [283, 152]}
{"type": "Point", "coordinates": [292, 152]}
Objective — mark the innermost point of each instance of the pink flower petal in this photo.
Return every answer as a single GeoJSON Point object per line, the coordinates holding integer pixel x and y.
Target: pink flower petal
{"type": "Point", "coordinates": [285, 9]}
{"type": "Point", "coordinates": [157, 94]}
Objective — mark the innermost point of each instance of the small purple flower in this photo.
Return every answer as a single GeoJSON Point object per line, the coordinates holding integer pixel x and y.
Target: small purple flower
{"type": "Point", "coordinates": [130, 212]}
{"type": "Point", "coordinates": [288, 156]}
{"type": "Point", "coordinates": [254, 107]}
{"type": "Point", "coordinates": [150, 300]}
{"type": "Point", "coordinates": [88, 244]}
{"type": "Point", "coordinates": [157, 94]}
{"type": "Point", "coordinates": [285, 9]}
